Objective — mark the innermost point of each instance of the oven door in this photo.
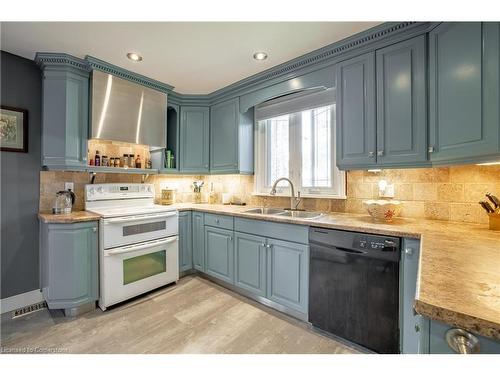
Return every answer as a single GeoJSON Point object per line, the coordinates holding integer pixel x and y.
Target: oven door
{"type": "Point", "coordinates": [119, 231]}
{"type": "Point", "coordinates": [135, 269]}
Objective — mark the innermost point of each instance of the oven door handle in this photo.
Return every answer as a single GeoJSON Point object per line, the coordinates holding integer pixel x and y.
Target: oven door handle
{"type": "Point", "coordinates": [132, 248]}
{"type": "Point", "coordinates": [138, 218]}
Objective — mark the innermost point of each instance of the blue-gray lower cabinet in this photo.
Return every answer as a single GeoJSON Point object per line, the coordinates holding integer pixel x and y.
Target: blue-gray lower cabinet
{"type": "Point", "coordinates": [250, 263]}
{"type": "Point", "coordinates": [194, 139]}
{"type": "Point", "coordinates": [219, 253]}
{"type": "Point", "coordinates": [198, 241]}
{"type": "Point", "coordinates": [69, 264]}
{"type": "Point", "coordinates": [185, 242]}
{"type": "Point", "coordinates": [438, 344]}
{"type": "Point", "coordinates": [355, 112]}
{"type": "Point", "coordinates": [414, 328]}
{"type": "Point", "coordinates": [464, 89]}
{"type": "Point", "coordinates": [288, 274]}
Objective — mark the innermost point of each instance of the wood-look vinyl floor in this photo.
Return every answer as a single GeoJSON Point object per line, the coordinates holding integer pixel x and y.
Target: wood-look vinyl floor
{"type": "Point", "coordinates": [193, 316]}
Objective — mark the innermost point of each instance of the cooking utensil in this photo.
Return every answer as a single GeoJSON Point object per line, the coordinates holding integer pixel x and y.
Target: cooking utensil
{"type": "Point", "coordinates": [493, 199]}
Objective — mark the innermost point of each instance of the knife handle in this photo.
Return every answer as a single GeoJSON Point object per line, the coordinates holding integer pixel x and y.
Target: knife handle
{"type": "Point", "coordinates": [493, 199]}
{"type": "Point", "coordinates": [486, 207]}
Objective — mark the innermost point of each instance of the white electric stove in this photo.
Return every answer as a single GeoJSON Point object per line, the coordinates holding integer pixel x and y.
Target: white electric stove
{"type": "Point", "coordinates": [138, 240]}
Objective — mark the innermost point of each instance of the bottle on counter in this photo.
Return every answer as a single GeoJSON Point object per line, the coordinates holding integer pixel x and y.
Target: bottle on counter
{"type": "Point", "coordinates": [212, 197]}
{"type": "Point", "coordinates": [125, 161]}
{"type": "Point", "coordinates": [131, 160]}
{"type": "Point", "coordinates": [97, 159]}
{"type": "Point", "coordinates": [91, 162]}
{"type": "Point", "coordinates": [138, 161]}
{"type": "Point", "coordinates": [148, 163]}
{"type": "Point", "coordinates": [104, 161]}
{"type": "Point", "coordinates": [117, 162]}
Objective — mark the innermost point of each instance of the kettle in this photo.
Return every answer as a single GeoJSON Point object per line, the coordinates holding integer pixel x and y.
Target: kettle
{"type": "Point", "coordinates": [65, 199]}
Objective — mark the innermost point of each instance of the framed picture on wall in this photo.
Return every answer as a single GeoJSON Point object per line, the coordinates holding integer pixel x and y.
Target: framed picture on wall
{"type": "Point", "coordinates": [13, 129]}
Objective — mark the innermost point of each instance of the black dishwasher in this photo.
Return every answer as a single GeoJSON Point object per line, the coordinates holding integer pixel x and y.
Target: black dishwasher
{"type": "Point", "coordinates": [354, 287]}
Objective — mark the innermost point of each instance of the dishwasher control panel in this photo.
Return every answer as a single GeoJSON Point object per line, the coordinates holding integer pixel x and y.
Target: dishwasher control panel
{"type": "Point", "coordinates": [367, 242]}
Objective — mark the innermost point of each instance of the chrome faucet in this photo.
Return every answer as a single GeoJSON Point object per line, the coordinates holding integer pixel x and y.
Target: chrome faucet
{"type": "Point", "coordinates": [294, 201]}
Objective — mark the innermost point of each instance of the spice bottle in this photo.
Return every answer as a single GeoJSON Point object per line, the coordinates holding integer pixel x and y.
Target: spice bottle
{"type": "Point", "coordinates": [117, 162]}
{"type": "Point", "coordinates": [138, 161]}
{"type": "Point", "coordinates": [97, 159]}
{"type": "Point", "coordinates": [131, 160]}
{"type": "Point", "coordinates": [125, 161]}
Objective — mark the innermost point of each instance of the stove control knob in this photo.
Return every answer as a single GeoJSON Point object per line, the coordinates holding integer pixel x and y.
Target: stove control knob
{"type": "Point", "coordinates": [149, 189]}
{"type": "Point", "coordinates": [91, 191]}
{"type": "Point", "coordinates": [100, 190]}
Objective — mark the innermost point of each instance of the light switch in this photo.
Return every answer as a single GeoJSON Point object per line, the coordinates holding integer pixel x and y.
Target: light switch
{"type": "Point", "coordinates": [69, 186]}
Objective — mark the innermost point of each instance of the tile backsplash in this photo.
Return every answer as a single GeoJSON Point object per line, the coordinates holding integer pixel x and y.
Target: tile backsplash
{"type": "Point", "coordinates": [447, 193]}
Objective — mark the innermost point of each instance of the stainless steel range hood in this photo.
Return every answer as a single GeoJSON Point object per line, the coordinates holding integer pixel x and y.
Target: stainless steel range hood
{"type": "Point", "coordinates": [127, 112]}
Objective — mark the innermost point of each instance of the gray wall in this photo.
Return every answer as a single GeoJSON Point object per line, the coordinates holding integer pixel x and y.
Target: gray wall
{"type": "Point", "coordinates": [21, 87]}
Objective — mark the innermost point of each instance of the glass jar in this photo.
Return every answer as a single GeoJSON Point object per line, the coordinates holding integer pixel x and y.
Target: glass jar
{"type": "Point", "coordinates": [131, 161]}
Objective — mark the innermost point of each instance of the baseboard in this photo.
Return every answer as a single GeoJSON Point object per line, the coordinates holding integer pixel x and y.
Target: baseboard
{"type": "Point", "coordinates": [20, 300]}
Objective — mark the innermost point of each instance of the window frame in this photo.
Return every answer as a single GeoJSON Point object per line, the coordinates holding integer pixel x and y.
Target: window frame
{"type": "Point", "coordinates": [262, 186]}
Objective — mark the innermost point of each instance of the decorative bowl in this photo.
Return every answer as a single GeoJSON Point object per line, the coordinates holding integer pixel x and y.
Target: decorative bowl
{"type": "Point", "coordinates": [383, 210]}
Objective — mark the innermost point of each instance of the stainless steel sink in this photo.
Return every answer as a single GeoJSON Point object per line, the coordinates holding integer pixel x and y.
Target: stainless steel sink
{"type": "Point", "coordinates": [265, 211]}
{"type": "Point", "coordinates": [302, 214]}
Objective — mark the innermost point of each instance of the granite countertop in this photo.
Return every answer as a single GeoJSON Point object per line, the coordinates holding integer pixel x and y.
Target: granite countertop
{"type": "Point", "coordinates": [74, 217]}
{"type": "Point", "coordinates": [459, 269]}
{"type": "Point", "coordinates": [459, 272]}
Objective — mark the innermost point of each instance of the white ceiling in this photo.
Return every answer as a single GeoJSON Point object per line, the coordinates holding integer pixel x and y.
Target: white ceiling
{"type": "Point", "coordinates": [194, 57]}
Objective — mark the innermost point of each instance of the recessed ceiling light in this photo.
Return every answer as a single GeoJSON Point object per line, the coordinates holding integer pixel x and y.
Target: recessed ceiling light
{"type": "Point", "coordinates": [134, 56]}
{"type": "Point", "coordinates": [260, 56]}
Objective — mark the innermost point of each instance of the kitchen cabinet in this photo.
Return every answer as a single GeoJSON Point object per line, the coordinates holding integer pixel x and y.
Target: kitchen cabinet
{"type": "Point", "coordinates": [464, 92]}
{"type": "Point", "coordinates": [414, 328]}
{"type": "Point", "coordinates": [401, 103]}
{"type": "Point", "coordinates": [386, 126]}
{"type": "Point", "coordinates": [219, 253]}
{"type": "Point", "coordinates": [65, 120]}
{"type": "Point", "coordinates": [288, 274]}
{"type": "Point", "coordinates": [231, 138]}
{"type": "Point", "coordinates": [438, 344]}
{"type": "Point", "coordinates": [355, 112]}
{"type": "Point", "coordinates": [185, 242]}
{"type": "Point", "coordinates": [194, 139]}
{"type": "Point", "coordinates": [198, 241]}
{"type": "Point", "coordinates": [69, 265]}
{"type": "Point", "coordinates": [250, 265]}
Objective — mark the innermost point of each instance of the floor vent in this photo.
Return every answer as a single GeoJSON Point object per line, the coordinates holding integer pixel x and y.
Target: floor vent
{"type": "Point", "coordinates": [29, 309]}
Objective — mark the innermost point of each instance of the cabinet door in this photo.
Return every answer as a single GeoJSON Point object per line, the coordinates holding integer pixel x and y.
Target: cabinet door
{"type": "Point", "coordinates": [414, 328]}
{"type": "Point", "coordinates": [464, 91]}
{"type": "Point", "coordinates": [288, 274]}
{"type": "Point", "coordinates": [224, 124]}
{"type": "Point", "coordinates": [356, 112]}
{"type": "Point", "coordinates": [194, 139]}
{"type": "Point", "coordinates": [65, 118]}
{"type": "Point", "coordinates": [71, 264]}
{"type": "Point", "coordinates": [198, 241]}
{"type": "Point", "coordinates": [219, 254]}
{"type": "Point", "coordinates": [185, 240]}
{"type": "Point", "coordinates": [250, 263]}
{"type": "Point", "coordinates": [401, 103]}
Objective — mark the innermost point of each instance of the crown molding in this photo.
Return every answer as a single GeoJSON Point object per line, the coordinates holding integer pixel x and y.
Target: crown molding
{"type": "Point", "coordinates": [103, 66]}
{"type": "Point", "coordinates": [48, 60]}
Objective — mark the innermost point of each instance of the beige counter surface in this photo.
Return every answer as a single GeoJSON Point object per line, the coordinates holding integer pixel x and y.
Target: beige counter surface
{"type": "Point", "coordinates": [459, 272]}
{"type": "Point", "coordinates": [74, 217]}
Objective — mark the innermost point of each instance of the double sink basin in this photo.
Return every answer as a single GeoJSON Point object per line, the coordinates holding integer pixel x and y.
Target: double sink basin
{"type": "Point", "coordinates": [307, 215]}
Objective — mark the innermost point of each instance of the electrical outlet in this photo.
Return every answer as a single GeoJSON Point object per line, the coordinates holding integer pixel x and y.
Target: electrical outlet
{"type": "Point", "coordinates": [69, 186]}
{"type": "Point", "coordinates": [388, 192]}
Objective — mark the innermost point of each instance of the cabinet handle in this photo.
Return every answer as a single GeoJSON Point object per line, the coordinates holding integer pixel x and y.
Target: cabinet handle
{"type": "Point", "coordinates": [380, 153]}
{"type": "Point", "coordinates": [263, 245]}
{"type": "Point", "coordinates": [230, 238]}
{"type": "Point", "coordinates": [409, 251]}
{"type": "Point", "coordinates": [94, 229]}
{"type": "Point", "coordinates": [217, 221]}
{"type": "Point", "coordinates": [206, 165]}
{"type": "Point", "coordinates": [462, 341]}
{"type": "Point", "coordinates": [430, 149]}
{"type": "Point", "coordinates": [269, 246]}
{"type": "Point", "coordinates": [371, 154]}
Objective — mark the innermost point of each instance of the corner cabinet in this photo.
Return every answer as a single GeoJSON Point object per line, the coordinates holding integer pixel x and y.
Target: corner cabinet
{"type": "Point", "coordinates": [231, 138]}
{"type": "Point", "coordinates": [65, 103]}
{"type": "Point", "coordinates": [69, 264]}
{"type": "Point", "coordinates": [381, 107]}
{"type": "Point", "coordinates": [194, 139]}
{"type": "Point", "coordinates": [185, 242]}
{"type": "Point", "coordinates": [464, 92]}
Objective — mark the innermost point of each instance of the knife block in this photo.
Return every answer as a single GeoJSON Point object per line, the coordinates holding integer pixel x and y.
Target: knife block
{"type": "Point", "coordinates": [494, 221]}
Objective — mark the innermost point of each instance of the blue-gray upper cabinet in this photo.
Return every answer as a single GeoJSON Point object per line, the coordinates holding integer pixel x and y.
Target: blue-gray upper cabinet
{"type": "Point", "coordinates": [288, 274]}
{"type": "Point", "coordinates": [69, 264]}
{"type": "Point", "coordinates": [219, 253]}
{"type": "Point", "coordinates": [464, 92]}
{"type": "Point", "coordinates": [355, 80]}
{"type": "Point", "coordinates": [198, 241]}
{"type": "Point", "coordinates": [194, 139]}
{"type": "Point", "coordinates": [231, 138]}
{"type": "Point", "coordinates": [401, 103]}
{"type": "Point", "coordinates": [185, 241]}
{"type": "Point", "coordinates": [65, 121]}
{"type": "Point", "coordinates": [250, 263]}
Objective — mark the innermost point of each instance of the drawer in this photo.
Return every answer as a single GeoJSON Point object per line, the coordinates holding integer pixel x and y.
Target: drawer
{"type": "Point", "coordinates": [219, 221]}
{"type": "Point", "coordinates": [281, 231]}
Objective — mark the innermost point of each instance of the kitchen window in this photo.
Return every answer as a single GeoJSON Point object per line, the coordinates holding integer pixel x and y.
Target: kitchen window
{"type": "Point", "coordinates": [296, 139]}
